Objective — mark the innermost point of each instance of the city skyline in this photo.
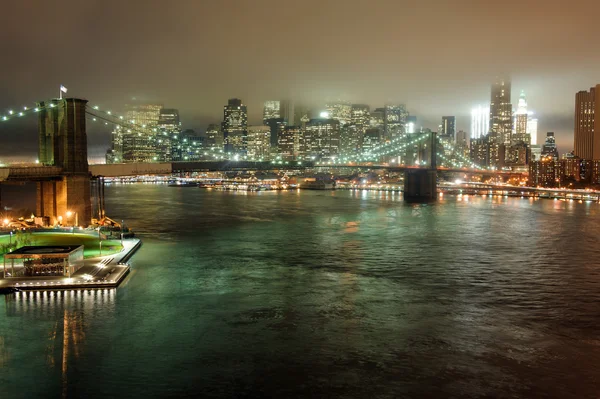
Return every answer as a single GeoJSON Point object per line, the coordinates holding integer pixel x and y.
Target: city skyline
{"type": "Point", "coordinates": [548, 58]}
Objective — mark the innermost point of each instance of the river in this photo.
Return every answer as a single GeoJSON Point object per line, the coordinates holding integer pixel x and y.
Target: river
{"type": "Point", "coordinates": [323, 294]}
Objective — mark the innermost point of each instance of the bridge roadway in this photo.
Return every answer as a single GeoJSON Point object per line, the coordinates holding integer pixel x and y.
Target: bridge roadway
{"type": "Point", "coordinates": [47, 173]}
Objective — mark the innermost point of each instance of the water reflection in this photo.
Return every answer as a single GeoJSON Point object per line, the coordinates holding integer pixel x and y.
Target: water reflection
{"type": "Point", "coordinates": [64, 334]}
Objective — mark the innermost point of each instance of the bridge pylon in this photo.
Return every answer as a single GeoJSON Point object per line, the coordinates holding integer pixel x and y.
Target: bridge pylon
{"type": "Point", "coordinates": [63, 143]}
{"type": "Point", "coordinates": [420, 185]}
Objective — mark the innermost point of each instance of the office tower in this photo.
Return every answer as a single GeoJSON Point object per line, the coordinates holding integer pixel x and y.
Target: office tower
{"type": "Point", "coordinates": [168, 119]}
{"type": "Point", "coordinates": [501, 112]}
{"type": "Point", "coordinates": [371, 139]}
{"type": "Point", "coordinates": [395, 121]}
{"type": "Point", "coordinates": [139, 141]}
{"type": "Point", "coordinates": [259, 142]}
{"type": "Point", "coordinates": [235, 127]}
{"type": "Point", "coordinates": [520, 121]}
{"type": "Point", "coordinates": [448, 126]}
{"type": "Point", "coordinates": [532, 128]}
{"type": "Point", "coordinates": [479, 151]}
{"type": "Point", "coordinates": [480, 121]}
{"type": "Point", "coordinates": [587, 124]}
{"type": "Point", "coordinates": [276, 125]}
{"type": "Point", "coordinates": [271, 110]}
{"type": "Point", "coordinates": [360, 114]}
{"type": "Point", "coordinates": [322, 138]}
{"type": "Point", "coordinates": [378, 119]}
{"type": "Point", "coordinates": [549, 149]}
{"type": "Point", "coordinates": [351, 137]}
{"type": "Point", "coordinates": [190, 146]}
{"type": "Point", "coordinates": [462, 145]}
{"type": "Point", "coordinates": [115, 153]}
{"type": "Point", "coordinates": [340, 111]}
{"type": "Point", "coordinates": [287, 112]}
{"type": "Point", "coordinates": [214, 136]}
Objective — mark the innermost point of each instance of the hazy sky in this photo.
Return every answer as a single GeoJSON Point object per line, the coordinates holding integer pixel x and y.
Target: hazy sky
{"type": "Point", "coordinates": [437, 57]}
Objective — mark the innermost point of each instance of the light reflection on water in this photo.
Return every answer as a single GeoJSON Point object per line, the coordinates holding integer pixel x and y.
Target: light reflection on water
{"type": "Point", "coordinates": [310, 294]}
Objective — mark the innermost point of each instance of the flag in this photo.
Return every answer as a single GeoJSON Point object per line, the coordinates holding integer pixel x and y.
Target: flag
{"type": "Point", "coordinates": [63, 89]}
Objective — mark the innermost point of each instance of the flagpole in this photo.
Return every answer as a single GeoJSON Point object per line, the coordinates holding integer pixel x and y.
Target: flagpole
{"type": "Point", "coordinates": [60, 93]}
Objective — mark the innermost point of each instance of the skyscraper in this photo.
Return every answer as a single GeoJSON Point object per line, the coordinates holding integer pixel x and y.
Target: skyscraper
{"type": "Point", "coordinates": [449, 126]}
{"type": "Point", "coordinates": [271, 110]}
{"type": "Point", "coordinates": [501, 112]}
{"type": "Point", "coordinates": [480, 121]}
{"type": "Point", "coordinates": [322, 138]}
{"type": "Point", "coordinates": [235, 127]}
{"type": "Point", "coordinates": [340, 110]}
{"type": "Point", "coordinates": [214, 136]}
{"type": "Point", "coordinates": [259, 142]}
{"type": "Point", "coordinates": [549, 149]}
{"type": "Point", "coordinates": [168, 119]}
{"type": "Point", "coordinates": [139, 145]}
{"type": "Point", "coordinates": [520, 122]}
{"type": "Point", "coordinates": [587, 124]}
{"type": "Point", "coordinates": [395, 121]}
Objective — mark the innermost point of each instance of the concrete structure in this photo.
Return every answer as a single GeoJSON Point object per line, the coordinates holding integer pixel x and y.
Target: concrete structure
{"type": "Point", "coordinates": [587, 124]}
{"type": "Point", "coordinates": [63, 144]}
{"type": "Point", "coordinates": [420, 185]}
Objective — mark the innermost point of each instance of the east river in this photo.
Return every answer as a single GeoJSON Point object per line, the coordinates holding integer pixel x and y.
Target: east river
{"type": "Point", "coordinates": [323, 294]}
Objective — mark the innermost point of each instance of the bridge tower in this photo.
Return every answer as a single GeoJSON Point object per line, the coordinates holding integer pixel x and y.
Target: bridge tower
{"type": "Point", "coordinates": [63, 143]}
{"type": "Point", "coordinates": [420, 185]}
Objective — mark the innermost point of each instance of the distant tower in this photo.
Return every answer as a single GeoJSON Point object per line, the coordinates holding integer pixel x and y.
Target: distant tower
{"type": "Point", "coordinates": [520, 122]}
{"type": "Point", "coordinates": [271, 110]}
{"type": "Point", "coordinates": [235, 126]}
{"type": "Point", "coordinates": [500, 121]}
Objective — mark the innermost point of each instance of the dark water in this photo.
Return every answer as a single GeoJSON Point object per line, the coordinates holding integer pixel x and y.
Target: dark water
{"type": "Point", "coordinates": [320, 294]}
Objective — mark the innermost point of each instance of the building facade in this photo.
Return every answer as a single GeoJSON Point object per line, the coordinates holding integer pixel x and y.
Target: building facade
{"type": "Point", "coordinates": [235, 127]}
{"type": "Point", "coordinates": [587, 124]}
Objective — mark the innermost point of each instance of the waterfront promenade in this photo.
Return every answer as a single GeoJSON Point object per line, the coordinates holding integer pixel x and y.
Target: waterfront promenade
{"type": "Point", "coordinates": [98, 272]}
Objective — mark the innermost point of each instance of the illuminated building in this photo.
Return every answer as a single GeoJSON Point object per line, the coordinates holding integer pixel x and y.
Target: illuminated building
{"type": "Point", "coordinates": [518, 154]}
{"type": "Point", "coordinates": [139, 143]}
{"type": "Point", "coordinates": [214, 136]}
{"type": "Point", "coordinates": [235, 127]}
{"type": "Point", "coordinates": [532, 128]}
{"type": "Point", "coordinates": [377, 119]}
{"type": "Point", "coordinates": [115, 153]}
{"type": "Point", "coordinates": [340, 111]}
{"type": "Point", "coordinates": [520, 122]}
{"type": "Point", "coordinates": [500, 113]}
{"type": "Point", "coordinates": [479, 150]}
{"type": "Point", "coordinates": [271, 110]}
{"type": "Point", "coordinates": [448, 127]}
{"type": "Point", "coordinates": [371, 139]}
{"type": "Point", "coordinates": [351, 137]}
{"type": "Point", "coordinates": [395, 121]}
{"type": "Point", "coordinates": [277, 125]}
{"type": "Point", "coordinates": [287, 112]}
{"type": "Point", "coordinates": [480, 121]}
{"type": "Point", "coordinates": [572, 170]}
{"type": "Point", "coordinates": [361, 115]}
{"type": "Point", "coordinates": [542, 173]}
{"type": "Point", "coordinates": [411, 124]}
{"type": "Point", "coordinates": [549, 149]}
{"type": "Point", "coordinates": [536, 152]}
{"type": "Point", "coordinates": [190, 145]}
{"type": "Point", "coordinates": [587, 124]}
{"type": "Point", "coordinates": [168, 120]}
{"type": "Point", "coordinates": [462, 144]}
{"type": "Point", "coordinates": [259, 142]}
{"type": "Point", "coordinates": [290, 144]}
{"type": "Point", "coordinates": [322, 137]}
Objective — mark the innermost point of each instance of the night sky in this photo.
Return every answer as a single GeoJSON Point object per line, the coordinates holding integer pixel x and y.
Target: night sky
{"type": "Point", "coordinates": [437, 57]}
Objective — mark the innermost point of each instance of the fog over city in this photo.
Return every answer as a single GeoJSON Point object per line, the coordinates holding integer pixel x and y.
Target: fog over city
{"type": "Point", "coordinates": [437, 57]}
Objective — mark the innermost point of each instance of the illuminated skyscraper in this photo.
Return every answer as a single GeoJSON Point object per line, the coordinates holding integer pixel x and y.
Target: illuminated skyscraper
{"type": "Point", "coordinates": [259, 142]}
{"type": "Point", "coordinates": [549, 149]}
{"type": "Point", "coordinates": [214, 136]}
{"type": "Point", "coordinates": [532, 128]}
{"type": "Point", "coordinates": [235, 127]}
{"type": "Point", "coordinates": [322, 137]}
{"type": "Point", "coordinates": [480, 121]}
{"type": "Point", "coordinates": [501, 112]}
{"type": "Point", "coordinates": [395, 121]}
{"type": "Point", "coordinates": [520, 122]}
{"type": "Point", "coordinates": [340, 111]}
{"type": "Point", "coordinates": [271, 110]}
{"type": "Point", "coordinates": [449, 126]}
{"type": "Point", "coordinates": [168, 120]}
{"type": "Point", "coordinates": [587, 124]}
{"type": "Point", "coordinates": [139, 145]}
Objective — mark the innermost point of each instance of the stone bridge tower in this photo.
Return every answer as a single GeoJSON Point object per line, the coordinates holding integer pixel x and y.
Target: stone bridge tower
{"type": "Point", "coordinates": [63, 143]}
